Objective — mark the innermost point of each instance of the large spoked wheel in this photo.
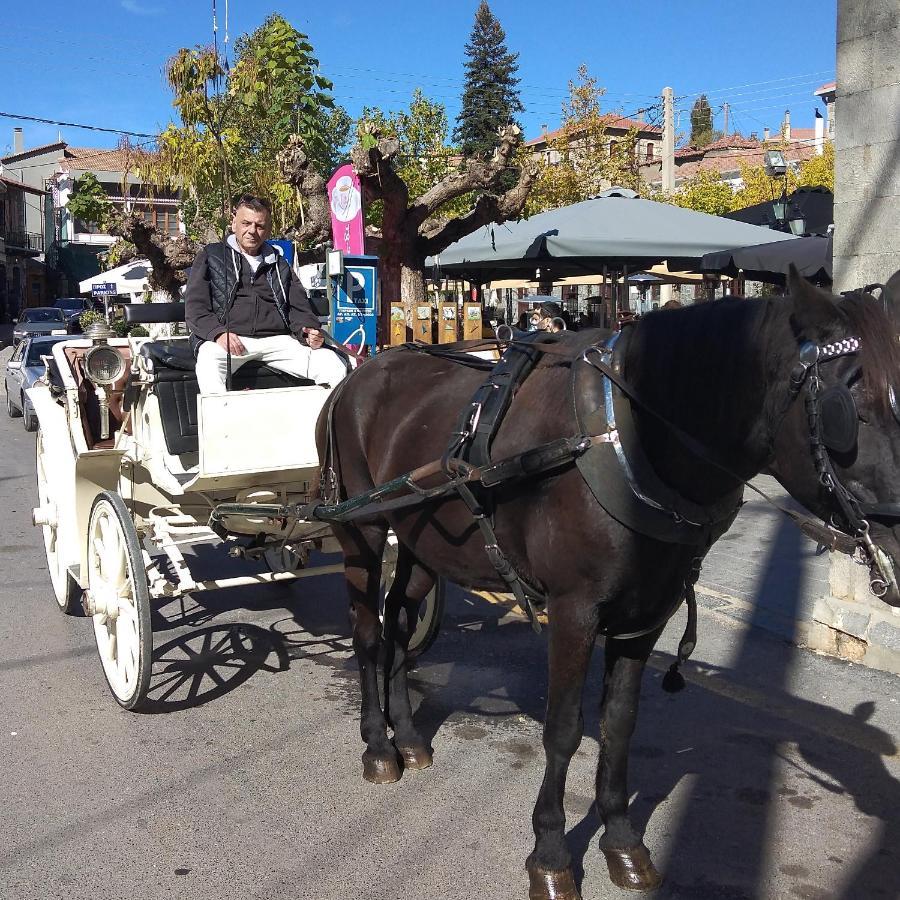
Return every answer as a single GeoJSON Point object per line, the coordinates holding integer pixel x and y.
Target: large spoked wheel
{"type": "Point", "coordinates": [431, 609]}
{"type": "Point", "coordinates": [65, 589]}
{"type": "Point", "coordinates": [118, 598]}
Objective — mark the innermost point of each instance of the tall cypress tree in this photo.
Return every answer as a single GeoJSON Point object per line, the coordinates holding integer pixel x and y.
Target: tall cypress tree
{"type": "Point", "coordinates": [491, 95]}
{"type": "Point", "coordinates": [701, 122]}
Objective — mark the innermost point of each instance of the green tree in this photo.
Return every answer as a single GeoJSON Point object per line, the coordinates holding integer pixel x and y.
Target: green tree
{"type": "Point", "coordinates": [491, 94]}
{"type": "Point", "coordinates": [818, 171]}
{"type": "Point", "coordinates": [424, 156]}
{"type": "Point", "coordinates": [701, 123]}
{"type": "Point", "coordinates": [88, 201]}
{"type": "Point", "coordinates": [585, 158]}
{"type": "Point", "coordinates": [759, 187]}
{"type": "Point", "coordinates": [704, 192]}
{"type": "Point", "coordinates": [234, 123]}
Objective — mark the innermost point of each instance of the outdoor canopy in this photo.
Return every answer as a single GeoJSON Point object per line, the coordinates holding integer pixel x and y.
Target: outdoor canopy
{"type": "Point", "coordinates": [611, 231]}
{"type": "Point", "coordinates": [770, 262]}
{"type": "Point", "coordinates": [130, 279]}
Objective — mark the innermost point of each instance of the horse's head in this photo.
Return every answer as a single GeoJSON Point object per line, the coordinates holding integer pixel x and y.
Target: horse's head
{"type": "Point", "coordinates": [837, 449]}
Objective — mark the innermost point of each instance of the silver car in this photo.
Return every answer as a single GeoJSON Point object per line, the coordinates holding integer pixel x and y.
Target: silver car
{"type": "Point", "coordinates": [39, 320]}
{"type": "Point", "coordinates": [23, 368]}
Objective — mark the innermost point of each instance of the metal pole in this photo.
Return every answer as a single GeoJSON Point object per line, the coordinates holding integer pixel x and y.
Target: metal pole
{"type": "Point", "coordinates": [668, 163]}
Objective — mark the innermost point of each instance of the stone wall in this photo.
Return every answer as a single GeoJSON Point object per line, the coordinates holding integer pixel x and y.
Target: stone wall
{"type": "Point", "coordinates": [867, 143]}
{"type": "Point", "coordinates": [850, 622]}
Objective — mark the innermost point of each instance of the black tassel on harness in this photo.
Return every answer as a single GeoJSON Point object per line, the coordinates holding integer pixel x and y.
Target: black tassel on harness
{"type": "Point", "coordinates": [673, 680]}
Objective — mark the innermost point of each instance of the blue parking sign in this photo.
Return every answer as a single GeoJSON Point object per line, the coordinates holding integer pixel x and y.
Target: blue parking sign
{"type": "Point", "coordinates": [354, 311]}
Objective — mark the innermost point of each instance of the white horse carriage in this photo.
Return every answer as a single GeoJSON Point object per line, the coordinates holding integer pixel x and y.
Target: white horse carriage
{"type": "Point", "coordinates": [132, 461]}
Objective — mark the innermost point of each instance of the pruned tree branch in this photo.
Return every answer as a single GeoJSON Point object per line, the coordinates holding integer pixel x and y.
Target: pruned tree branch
{"type": "Point", "coordinates": [372, 159]}
{"type": "Point", "coordinates": [314, 228]}
{"type": "Point", "coordinates": [477, 174]}
{"type": "Point", "coordinates": [438, 234]}
{"type": "Point", "coordinates": [168, 257]}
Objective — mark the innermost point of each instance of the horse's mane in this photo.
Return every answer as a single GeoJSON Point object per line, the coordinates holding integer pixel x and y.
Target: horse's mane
{"type": "Point", "coordinates": [703, 344]}
{"type": "Point", "coordinates": [879, 347]}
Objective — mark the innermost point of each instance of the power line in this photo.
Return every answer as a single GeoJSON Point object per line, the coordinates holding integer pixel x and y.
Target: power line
{"type": "Point", "coordinates": [6, 115]}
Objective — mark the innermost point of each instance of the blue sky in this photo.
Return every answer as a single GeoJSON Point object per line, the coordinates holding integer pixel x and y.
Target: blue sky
{"type": "Point", "coordinates": [101, 63]}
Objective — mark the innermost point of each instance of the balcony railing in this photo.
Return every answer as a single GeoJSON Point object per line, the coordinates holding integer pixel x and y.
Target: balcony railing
{"type": "Point", "coordinates": [23, 240]}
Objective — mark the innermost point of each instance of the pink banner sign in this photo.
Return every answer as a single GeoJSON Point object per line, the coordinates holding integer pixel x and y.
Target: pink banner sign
{"type": "Point", "coordinates": [348, 228]}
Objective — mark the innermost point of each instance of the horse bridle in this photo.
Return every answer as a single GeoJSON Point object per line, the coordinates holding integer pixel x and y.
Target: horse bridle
{"type": "Point", "coordinates": [833, 428]}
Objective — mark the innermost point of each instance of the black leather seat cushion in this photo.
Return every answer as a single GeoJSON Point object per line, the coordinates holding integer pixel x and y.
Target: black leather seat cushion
{"type": "Point", "coordinates": [152, 313]}
{"type": "Point", "coordinates": [177, 390]}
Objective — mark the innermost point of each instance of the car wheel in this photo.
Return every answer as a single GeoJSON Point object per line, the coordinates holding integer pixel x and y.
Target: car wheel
{"type": "Point", "coordinates": [11, 410]}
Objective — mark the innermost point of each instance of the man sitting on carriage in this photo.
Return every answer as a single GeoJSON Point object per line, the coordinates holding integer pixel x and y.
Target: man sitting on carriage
{"type": "Point", "coordinates": [242, 300]}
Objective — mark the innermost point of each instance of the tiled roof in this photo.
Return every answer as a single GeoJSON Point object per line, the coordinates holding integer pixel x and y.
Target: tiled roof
{"type": "Point", "coordinates": [826, 88]}
{"type": "Point", "coordinates": [32, 151]}
{"type": "Point", "coordinates": [803, 134]}
{"type": "Point", "coordinates": [92, 158]}
{"type": "Point", "coordinates": [732, 161]}
{"type": "Point", "coordinates": [731, 142]}
{"type": "Point", "coordinates": [611, 120]}
{"type": "Point", "coordinates": [18, 184]}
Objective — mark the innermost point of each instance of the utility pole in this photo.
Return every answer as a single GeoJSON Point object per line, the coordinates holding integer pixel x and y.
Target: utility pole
{"type": "Point", "coordinates": [668, 143]}
{"type": "Point", "coordinates": [668, 164]}
{"type": "Point", "coordinates": [726, 108]}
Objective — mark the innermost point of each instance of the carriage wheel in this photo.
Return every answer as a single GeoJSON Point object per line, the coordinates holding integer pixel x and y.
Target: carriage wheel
{"type": "Point", "coordinates": [65, 589]}
{"type": "Point", "coordinates": [118, 598]}
{"type": "Point", "coordinates": [431, 609]}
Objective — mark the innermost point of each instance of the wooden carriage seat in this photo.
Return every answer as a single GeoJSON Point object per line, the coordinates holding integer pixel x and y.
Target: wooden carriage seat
{"type": "Point", "coordinates": [176, 389]}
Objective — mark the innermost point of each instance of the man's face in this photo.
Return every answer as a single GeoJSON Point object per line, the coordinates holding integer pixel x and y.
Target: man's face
{"type": "Point", "coordinates": [251, 229]}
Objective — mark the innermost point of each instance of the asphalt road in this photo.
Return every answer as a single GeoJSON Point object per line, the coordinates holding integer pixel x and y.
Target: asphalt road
{"type": "Point", "coordinates": [774, 775]}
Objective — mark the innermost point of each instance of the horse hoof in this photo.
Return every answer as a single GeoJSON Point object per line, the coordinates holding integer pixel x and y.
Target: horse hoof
{"type": "Point", "coordinates": [632, 869]}
{"type": "Point", "coordinates": [416, 757]}
{"type": "Point", "coordinates": [547, 885]}
{"type": "Point", "coordinates": [380, 769]}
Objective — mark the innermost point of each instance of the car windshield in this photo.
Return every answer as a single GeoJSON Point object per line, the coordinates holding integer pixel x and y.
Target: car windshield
{"type": "Point", "coordinates": [70, 303]}
{"type": "Point", "coordinates": [42, 315]}
{"type": "Point", "coordinates": [37, 349]}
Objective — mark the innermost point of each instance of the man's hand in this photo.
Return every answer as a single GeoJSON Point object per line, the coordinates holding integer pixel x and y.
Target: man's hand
{"type": "Point", "coordinates": [232, 342]}
{"type": "Point", "coordinates": [314, 338]}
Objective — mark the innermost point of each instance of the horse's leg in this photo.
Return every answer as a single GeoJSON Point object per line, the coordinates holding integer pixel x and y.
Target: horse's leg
{"type": "Point", "coordinates": [363, 547]}
{"type": "Point", "coordinates": [411, 584]}
{"type": "Point", "coordinates": [572, 635]}
{"type": "Point", "coordinates": [627, 858]}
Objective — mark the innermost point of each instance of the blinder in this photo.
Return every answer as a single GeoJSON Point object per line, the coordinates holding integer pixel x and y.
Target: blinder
{"type": "Point", "coordinates": [838, 416]}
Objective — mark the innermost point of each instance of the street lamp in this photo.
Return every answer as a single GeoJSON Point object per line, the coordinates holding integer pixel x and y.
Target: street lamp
{"type": "Point", "coordinates": [776, 167]}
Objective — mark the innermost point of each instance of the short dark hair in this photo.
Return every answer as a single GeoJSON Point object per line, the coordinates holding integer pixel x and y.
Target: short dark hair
{"type": "Point", "coordinates": [257, 204]}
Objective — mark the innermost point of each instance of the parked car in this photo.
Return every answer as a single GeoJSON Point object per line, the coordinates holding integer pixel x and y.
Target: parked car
{"type": "Point", "coordinates": [23, 369]}
{"type": "Point", "coordinates": [39, 320]}
{"type": "Point", "coordinates": [72, 308]}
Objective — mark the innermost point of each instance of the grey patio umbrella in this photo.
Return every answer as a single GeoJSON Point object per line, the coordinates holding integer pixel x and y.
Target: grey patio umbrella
{"type": "Point", "coordinates": [614, 232]}
{"type": "Point", "coordinates": [770, 262]}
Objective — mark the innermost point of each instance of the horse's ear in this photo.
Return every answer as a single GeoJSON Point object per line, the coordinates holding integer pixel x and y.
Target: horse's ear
{"type": "Point", "coordinates": [814, 309]}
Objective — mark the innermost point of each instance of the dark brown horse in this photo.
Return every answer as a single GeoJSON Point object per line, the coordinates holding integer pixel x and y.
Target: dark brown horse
{"type": "Point", "coordinates": [725, 373]}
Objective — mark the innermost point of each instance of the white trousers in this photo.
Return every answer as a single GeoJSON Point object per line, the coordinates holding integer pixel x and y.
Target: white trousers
{"type": "Point", "coordinates": [281, 352]}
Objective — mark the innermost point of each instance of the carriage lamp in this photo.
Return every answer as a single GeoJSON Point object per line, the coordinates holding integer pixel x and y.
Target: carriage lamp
{"type": "Point", "coordinates": [104, 365]}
